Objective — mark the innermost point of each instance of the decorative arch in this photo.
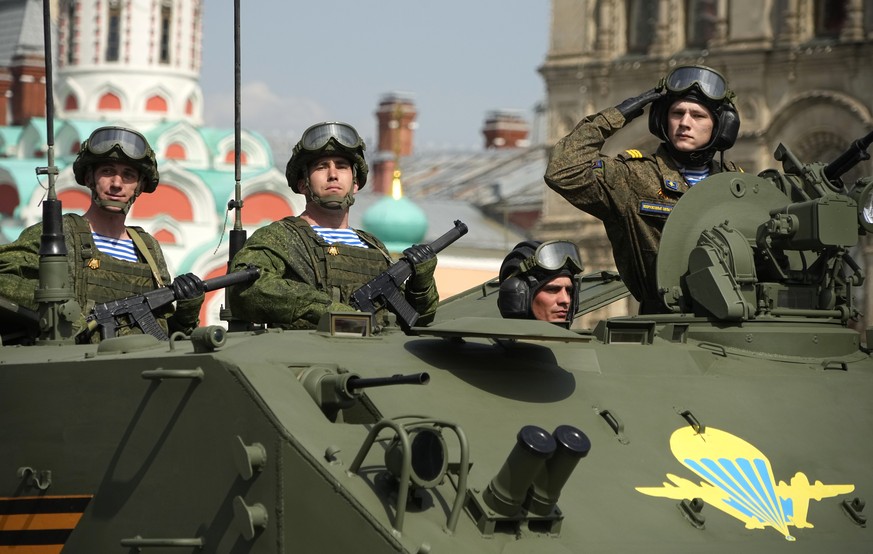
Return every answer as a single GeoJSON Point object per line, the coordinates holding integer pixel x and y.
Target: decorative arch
{"type": "Point", "coordinates": [255, 152]}
{"type": "Point", "coordinates": [194, 153]}
{"type": "Point", "coordinates": [109, 101]}
{"type": "Point", "coordinates": [265, 206]}
{"type": "Point", "coordinates": [819, 125]}
{"type": "Point", "coordinates": [165, 236]}
{"type": "Point", "coordinates": [167, 200]}
{"type": "Point", "coordinates": [156, 103]}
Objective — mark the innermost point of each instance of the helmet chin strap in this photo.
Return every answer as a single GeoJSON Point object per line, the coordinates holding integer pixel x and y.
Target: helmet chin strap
{"type": "Point", "coordinates": [330, 201]}
{"type": "Point", "coordinates": [123, 206]}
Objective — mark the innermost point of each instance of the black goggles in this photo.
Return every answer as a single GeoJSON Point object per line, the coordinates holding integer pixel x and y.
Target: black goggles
{"type": "Point", "coordinates": [553, 256]}
{"type": "Point", "coordinates": [708, 81]}
{"type": "Point", "coordinates": [316, 137]}
{"type": "Point", "coordinates": [133, 144]}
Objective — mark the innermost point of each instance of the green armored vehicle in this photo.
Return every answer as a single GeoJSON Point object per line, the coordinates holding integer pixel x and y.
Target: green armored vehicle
{"type": "Point", "coordinates": [740, 421]}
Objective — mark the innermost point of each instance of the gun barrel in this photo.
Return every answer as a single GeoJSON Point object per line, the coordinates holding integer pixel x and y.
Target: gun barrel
{"type": "Point", "coordinates": [243, 276]}
{"type": "Point", "coordinates": [857, 152]}
{"type": "Point", "coordinates": [453, 234]}
{"type": "Point", "coordinates": [358, 383]}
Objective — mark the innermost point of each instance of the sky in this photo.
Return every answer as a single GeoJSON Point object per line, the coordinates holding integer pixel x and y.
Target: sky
{"type": "Point", "coordinates": [306, 62]}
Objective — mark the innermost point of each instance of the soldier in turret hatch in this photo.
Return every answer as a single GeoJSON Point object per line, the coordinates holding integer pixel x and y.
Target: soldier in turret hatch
{"type": "Point", "coordinates": [692, 112]}
{"type": "Point", "coordinates": [311, 264]}
{"type": "Point", "coordinates": [108, 260]}
{"type": "Point", "coordinates": [538, 280]}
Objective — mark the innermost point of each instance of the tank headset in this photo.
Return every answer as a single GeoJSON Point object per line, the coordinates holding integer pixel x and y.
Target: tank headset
{"type": "Point", "coordinates": [528, 267]}
{"type": "Point", "coordinates": [708, 87]}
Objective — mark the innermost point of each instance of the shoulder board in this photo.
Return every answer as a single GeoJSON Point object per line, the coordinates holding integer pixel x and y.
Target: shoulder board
{"type": "Point", "coordinates": [632, 154]}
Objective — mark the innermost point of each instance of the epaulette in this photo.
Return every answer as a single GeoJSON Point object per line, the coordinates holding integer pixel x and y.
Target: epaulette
{"type": "Point", "coordinates": [632, 154]}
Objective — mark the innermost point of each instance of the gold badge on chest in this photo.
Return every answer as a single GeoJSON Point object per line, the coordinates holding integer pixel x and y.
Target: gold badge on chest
{"type": "Point", "coordinates": [333, 251]}
{"type": "Point", "coordinates": [94, 263]}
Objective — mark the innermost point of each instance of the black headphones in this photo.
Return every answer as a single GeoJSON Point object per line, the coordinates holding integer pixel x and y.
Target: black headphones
{"type": "Point", "coordinates": [727, 120]}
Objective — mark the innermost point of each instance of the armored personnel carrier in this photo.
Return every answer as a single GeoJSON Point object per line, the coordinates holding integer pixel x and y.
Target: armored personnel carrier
{"type": "Point", "coordinates": [739, 421]}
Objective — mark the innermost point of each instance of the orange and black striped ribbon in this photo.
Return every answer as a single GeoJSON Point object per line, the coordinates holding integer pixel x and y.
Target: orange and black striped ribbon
{"type": "Point", "coordinates": [38, 524]}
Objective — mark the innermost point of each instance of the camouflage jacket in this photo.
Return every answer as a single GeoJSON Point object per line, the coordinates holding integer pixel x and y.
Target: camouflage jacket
{"type": "Point", "coordinates": [303, 277]}
{"type": "Point", "coordinates": [632, 194]}
{"type": "Point", "coordinates": [91, 279]}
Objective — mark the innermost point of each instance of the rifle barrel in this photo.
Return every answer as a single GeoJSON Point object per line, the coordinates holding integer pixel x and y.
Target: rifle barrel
{"type": "Point", "coordinates": [243, 276]}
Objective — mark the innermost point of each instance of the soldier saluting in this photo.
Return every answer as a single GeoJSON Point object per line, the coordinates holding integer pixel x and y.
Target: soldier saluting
{"type": "Point", "coordinates": [693, 114]}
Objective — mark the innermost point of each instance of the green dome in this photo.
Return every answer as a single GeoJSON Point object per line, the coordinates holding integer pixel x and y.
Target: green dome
{"type": "Point", "coordinates": [399, 223]}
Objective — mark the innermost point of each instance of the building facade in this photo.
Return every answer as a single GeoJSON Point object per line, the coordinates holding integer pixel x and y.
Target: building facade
{"type": "Point", "coordinates": [800, 69]}
{"type": "Point", "coordinates": [134, 63]}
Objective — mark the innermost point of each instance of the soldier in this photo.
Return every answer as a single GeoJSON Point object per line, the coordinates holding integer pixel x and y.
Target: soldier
{"type": "Point", "coordinates": [693, 114]}
{"type": "Point", "coordinates": [108, 260]}
{"type": "Point", "coordinates": [312, 264]}
{"type": "Point", "coordinates": [538, 281]}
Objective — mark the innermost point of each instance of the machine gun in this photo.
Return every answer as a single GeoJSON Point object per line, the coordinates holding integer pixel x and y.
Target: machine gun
{"type": "Point", "coordinates": [384, 289]}
{"type": "Point", "coordinates": [138, 311]}
{"type": "Point", "coordinates": [334, 391]}
{"type": "Point", "coordinates": [782, 247]}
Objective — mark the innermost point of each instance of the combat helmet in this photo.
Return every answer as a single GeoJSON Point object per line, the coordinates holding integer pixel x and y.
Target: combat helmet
{"type": "Point", "coordinates": [122, 145]}
{"type": "Point", "coordinates": [328, 138]}
{"type": "Point", "coordinates": [707, 87]}
{"type": "Point", "coordinates": [528, 267]}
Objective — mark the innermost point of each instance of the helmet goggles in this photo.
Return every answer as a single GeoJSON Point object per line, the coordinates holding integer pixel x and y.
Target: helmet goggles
{"type": "Point", "coordinates": [708, 81]}
{"type": "Point", "coordinates": [130, 142]}
{"type": "Point", "coordinates": [554, 255]}
{"type": "Point", "coordinates": [316, 137]}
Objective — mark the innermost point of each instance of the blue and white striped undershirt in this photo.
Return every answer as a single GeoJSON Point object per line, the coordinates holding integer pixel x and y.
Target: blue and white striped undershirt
{"type": "Point", "coordinates": [121, 249]}
{"type": "Point", "coordinates": [694, 175]}
{"type": "Point", "coordinates": [342, 236]}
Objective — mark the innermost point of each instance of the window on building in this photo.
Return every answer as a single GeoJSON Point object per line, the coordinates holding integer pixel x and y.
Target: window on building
{"type": "Point", "coordinates": [109, 101]}
{"type": "Point", "coordinates": [71, 104]}
{"type": "Point", "coordinates": [176, 151]}
{"type": "Point", "coordinates": [230, 157]}
{"type": "Point", "coordinates": [156, 103]}
{"type": "Point", "coordinates": [830, 17]}
{"type": "Point", "coordinates": [641, 18]}
{"type": "Point", "coordinates": [166, 19]}
{"type": "Point", "coordinates": [113, 37]}
{"type": "Point", "coordinates": [701, 17]}
{"type": "Point", "coordinates": [71, 32]}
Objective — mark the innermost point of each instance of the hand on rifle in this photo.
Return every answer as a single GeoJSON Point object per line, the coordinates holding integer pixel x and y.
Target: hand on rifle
{"type": "Point", "coordinates": [423, 260]}
{"type": "Point", "coordinates": [187, 286]}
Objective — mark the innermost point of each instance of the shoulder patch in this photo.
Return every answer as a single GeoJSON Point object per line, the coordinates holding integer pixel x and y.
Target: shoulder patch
{"type": "Point", "coordinates": [596, 164]}
{"type": "Point", "coordinates": [671, 185]}
{"type": "Point", "coordinates": [633, 153]}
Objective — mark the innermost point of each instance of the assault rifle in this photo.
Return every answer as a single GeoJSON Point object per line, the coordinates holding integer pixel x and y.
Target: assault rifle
{"type": "Point", "coordinates": [138, 311]}
{"type": "Point", "coordinates": [384, 289]}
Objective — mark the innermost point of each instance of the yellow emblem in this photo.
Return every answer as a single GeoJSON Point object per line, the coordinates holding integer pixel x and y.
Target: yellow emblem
{"type": "Point", "coordinates": [740, 482]}
{"type": "Point", "coordinates": [94, 263]}
{"type": "Point", "coordinates": [333, 250]}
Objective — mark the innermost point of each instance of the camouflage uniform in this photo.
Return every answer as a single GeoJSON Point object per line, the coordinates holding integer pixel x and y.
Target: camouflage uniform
{"type": "Point", "coordinates": [97, 277]}
{"type": "Point", "coordinates": [304, 277]}
{"type": "Point", "coordinates": [632, 194]}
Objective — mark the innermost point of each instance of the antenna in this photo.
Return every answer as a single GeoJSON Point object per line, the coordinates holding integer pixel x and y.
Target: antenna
{"type": "Point", "coordinates": [54, 293]}
{"type": "Point", "coordinates": [237, 234]}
